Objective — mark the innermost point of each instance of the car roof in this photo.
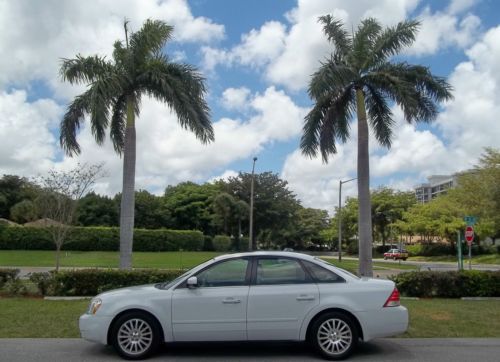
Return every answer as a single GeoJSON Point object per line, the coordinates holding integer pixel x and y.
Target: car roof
{"type": "Point", "coordinates": [288, 254]}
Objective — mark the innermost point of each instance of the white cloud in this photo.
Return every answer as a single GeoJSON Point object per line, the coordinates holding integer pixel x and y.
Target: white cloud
{"type": "Point", "coordinates": [34, 36]}
{"type": "Point", "coordinates": [224, 176]}
{"type": "Point", "coordinates": [236, 98]}
{"type": "Point", "coordinates": [443, 30]}
{"type": "Point", "coordinates": [27, 146]}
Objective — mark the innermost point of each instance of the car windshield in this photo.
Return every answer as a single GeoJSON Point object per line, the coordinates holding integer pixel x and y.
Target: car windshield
{"type": "Point", "coordinates": [168, 285]}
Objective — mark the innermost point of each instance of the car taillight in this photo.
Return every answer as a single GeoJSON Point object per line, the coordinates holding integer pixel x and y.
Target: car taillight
{"type": "Point", "coordinates": [393, 300]}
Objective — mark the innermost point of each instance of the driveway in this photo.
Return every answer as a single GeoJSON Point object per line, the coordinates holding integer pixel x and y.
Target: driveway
{"type": "Point", "coordinates": [442, 350]}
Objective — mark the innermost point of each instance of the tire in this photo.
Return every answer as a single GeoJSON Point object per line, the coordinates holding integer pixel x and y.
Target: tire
{"type": "Point", "coordinates": [334, 336]}
{"type": "Point", "coordinates": [385, 258]}
{"type": "Point", "coordinates": [404, 259]}
{"type": "Point", "coordinates": [395, 258]}
{"type": "Point", "coordinates": [135, 335]}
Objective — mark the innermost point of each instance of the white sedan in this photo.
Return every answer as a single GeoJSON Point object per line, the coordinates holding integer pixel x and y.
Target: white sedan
{"type": "Point", "coordinates": [258, 296]}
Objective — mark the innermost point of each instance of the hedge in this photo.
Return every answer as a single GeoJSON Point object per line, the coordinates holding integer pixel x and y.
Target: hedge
{"type": "Point", "coordinates": [7, 275]}
{"type": "Point", "coordinates": [451, 284]}
{"type": "Point", "coordinates": [100, 239]}
{"type": "Point", "coordinates": [90, 282]}
{"type": "Point", "coordinates": [221, 243]}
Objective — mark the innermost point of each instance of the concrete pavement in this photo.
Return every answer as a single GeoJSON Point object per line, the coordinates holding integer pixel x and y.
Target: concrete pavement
{"type": "Point", "coordinates": [442, 350]}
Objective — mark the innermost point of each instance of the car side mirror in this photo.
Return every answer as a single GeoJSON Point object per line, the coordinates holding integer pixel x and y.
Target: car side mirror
{"type": "Point", "coordinates": [192, 282]}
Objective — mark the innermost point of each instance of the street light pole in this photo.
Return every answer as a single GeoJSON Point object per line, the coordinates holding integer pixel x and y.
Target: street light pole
{"type": "Point", "coordinates": [340, 215]}
{"type": "Point", "coordinates": [250, 226]}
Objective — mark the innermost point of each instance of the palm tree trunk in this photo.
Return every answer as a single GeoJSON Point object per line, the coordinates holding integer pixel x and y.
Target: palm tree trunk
{"type": "Point", "coordinates": [364, 212]}
{"type": "Point", "coordinates": [128, 190]}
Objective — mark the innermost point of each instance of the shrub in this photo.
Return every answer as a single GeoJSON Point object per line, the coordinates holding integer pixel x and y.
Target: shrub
{"type": "Point", "coordinates": [100, 239]}
{"type": "Point", "coordinates": [90, 282]}
{"type": "Point", "coordinates": [7, 275]}
{"type": "Point", "coordinates": [221, 243]}
{"type": "Point", "coordinates": [451, 284]}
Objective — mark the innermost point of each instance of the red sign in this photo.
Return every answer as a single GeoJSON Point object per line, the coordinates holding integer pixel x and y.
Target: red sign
{"type": "Point", "coordinates": [469, 235]}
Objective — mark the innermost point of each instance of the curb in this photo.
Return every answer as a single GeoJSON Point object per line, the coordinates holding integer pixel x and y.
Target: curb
{"type": "Point", "coordinates": [66, 298]}
{"type": "Point", "coordinates": [480, 298]}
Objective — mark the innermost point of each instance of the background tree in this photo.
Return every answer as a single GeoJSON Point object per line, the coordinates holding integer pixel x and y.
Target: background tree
{"type": "Point", "coordinates": [388, 206]}
{"type": "Point", "coordinates": [14, 189]}
{"type": "Point", "coordinates": [274, 204]}
{"type": "Point", "coordinates": [478, 192]}
{"type": "Point", "coordinates": [190, 206]}
{"type": "Point", "coordinates": [24, 211]}
{"type": "Point", "coordinates": [224, 205]}
{"type": "Point", "coordinates": [59, 196]}
{"type": "Point", "coordinates": [115, 89]}
{"type": "Point", "coordinates": [359, 78]}
{"type": "Point", "coordinates": [97, 210]}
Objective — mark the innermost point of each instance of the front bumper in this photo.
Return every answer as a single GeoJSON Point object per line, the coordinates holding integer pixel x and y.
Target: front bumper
{"type": "Point", "coordinates": [94, 328]}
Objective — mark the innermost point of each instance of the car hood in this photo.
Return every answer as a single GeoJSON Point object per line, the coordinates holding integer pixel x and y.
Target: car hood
{"type": "Point", "coordinates": [139, 289]}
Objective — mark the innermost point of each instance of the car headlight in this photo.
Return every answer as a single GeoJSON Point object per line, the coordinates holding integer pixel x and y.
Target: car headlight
{"type": "Point", "coordinates": [95, 304]}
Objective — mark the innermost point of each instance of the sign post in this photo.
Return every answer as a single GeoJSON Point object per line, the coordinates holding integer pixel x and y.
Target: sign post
{"type": "Point", "coordinates": [469, 237]}
{"type": "Point", "coordinates": [459, 251]}
{"type": "Point", "coordinates": [469, 234]}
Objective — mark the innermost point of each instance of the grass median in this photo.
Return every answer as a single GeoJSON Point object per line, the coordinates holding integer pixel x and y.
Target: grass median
{"type": "Point", "coordinates": [432, 318]}
{"type": "Point", "coordinates": [160, 260]}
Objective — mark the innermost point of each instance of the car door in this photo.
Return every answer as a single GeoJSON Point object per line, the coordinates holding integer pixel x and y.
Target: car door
{"type": "Point", "coordinates": [216, 309]}
{"type": "Point", "coordinates": [280, 296]}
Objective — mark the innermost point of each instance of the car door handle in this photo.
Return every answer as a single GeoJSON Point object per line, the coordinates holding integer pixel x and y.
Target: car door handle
{"type": "Point", "coordinates": [231, 301]}
{"type": "Point", "coordinates": [305, 297]}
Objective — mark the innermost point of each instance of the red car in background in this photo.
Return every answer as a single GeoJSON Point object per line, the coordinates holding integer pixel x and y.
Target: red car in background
{"type": "Point", "coordinates": [396, 254]}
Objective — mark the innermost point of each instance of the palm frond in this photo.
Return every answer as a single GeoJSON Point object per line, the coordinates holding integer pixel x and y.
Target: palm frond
{"type": "Point", "coordinates": [149, 39]}
{"type": "Point", "coordinates": [368, 31]}
{"type": "Point", "coordinates": [336, 34]}
{"type": "Point", "coordinates": [391, 41]}
{"type": "Point", "coordinates": [103, 91]}
{"type": "Point", "coordinates": [183, 89]}
{"type": "Point", "coordinates": [412, 87]}
{"type": "Point", "coordinates": [330, 76]}
{"type": "Point", "coordinates": [84, 69]}
{"type": "Point", "coordinates": [380, 116]}
{"type": "Point", "coordinates": [71, 123]}
{"type": "Point", "coordinates": [327, 122]}
{"type": "Point", "coordinates": [118, 123]}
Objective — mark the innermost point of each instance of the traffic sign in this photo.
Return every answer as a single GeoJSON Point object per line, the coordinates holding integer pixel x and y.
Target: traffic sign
{"type": "Point", "coordinates": [470, 220]}
{"type": "Point", "coordinates": [469, 235]}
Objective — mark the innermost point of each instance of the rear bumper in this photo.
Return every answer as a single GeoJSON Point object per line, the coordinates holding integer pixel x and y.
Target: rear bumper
{"type": "Point", "coordinates": [94, 328]}
{"type": "Point", "coordinates": [387, 322]}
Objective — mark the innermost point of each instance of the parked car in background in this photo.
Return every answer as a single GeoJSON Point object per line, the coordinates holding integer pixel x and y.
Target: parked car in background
{"type": "Point", "coordinates": [257, 296]}
{"type": "Point", "coordinates": [396, 254]}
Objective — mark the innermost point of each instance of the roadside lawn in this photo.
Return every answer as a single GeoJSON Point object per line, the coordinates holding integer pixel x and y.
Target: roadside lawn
{"type": "Point", "coordinates": [478, 259]}
{"type": "Point", "coordinates": [444, 318]}
{"type": "Point", "coordinates": [160, 260]}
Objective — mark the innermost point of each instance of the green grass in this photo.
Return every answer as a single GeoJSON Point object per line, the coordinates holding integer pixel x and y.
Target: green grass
{"type": "Point", "coordinates": [353, 265]}
{"type": "Point", "coordinates": [479, 259]}
{"type": "Point", "coordinates": [38, 318]}
{"type": "Point", "coordinates": [161, 260]}
{"type": "Point", "coordinates": [443, 318]}
{"type": "Point", "coordinates": [104, 259]}
{"type": "Point", "coordinates": [453, 318]}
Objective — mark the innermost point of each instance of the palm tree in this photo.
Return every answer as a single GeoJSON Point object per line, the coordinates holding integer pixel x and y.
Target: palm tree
{"type": "Point", "coordinates": [112, 100]}
{"type": "Point", "coordinates": [360, 78]}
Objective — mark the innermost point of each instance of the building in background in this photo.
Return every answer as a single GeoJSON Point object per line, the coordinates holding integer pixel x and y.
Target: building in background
{"type": "Point", "coordinates": [436, 185]}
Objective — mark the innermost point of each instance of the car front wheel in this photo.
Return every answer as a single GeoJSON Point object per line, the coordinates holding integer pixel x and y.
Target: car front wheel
{"type": "Point", "coordinates": [135, 335]}
{"type": "Point", "coordinates": [334, 336]}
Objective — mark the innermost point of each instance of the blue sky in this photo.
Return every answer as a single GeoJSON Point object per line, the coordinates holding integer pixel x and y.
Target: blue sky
{"type": "Point", "coordinates": [257, 57]}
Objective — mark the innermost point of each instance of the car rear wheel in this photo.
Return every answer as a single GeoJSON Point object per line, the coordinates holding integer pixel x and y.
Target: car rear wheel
{"type": "Point", "coordinates": [395, 258]}
{"type": "Point", "coordinates": [334, 336]}
{"type": "Point", "coordinates": [385, 258]}
{"type": "Point", "coordinates": [135, 335]}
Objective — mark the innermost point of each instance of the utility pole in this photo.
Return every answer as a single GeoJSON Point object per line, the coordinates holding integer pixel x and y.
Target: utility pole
{"type": "Point", "coordinates": [250, 226]}
{"type": "Point", "coordinates": [340, 215]}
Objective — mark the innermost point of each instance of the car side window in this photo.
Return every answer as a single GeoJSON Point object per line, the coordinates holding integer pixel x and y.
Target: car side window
{"type": "Point", "coordinates": [224, 274]}
{"type": "Point", "coordinates": [322, 275]}
{"type": "Point", "coordinates": [280, 271]}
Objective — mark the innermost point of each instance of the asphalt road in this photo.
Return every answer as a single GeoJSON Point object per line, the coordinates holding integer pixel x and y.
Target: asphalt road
{"type": "Point", "coordinates": [442, 350]}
